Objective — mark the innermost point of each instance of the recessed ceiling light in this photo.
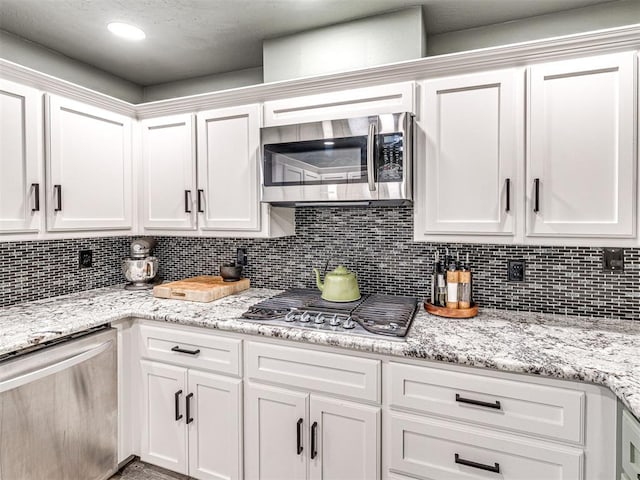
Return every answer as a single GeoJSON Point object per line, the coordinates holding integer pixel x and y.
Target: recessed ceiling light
{"type": "Point", "coordinates": [127, 31]}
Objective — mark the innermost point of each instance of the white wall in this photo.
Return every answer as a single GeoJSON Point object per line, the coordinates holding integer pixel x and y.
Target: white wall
{"type": "Point", "coordinates": [387, 38]}
{"type": "Point", "coordinates": [29, 54]}
{"type": "Point", "coordinates": [208, 83]}
{"type": "Point", "coordinates": [596, 17]}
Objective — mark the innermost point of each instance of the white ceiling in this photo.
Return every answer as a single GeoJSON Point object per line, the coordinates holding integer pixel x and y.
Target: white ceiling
{"type": "Point", "coordinates": [190, 38]}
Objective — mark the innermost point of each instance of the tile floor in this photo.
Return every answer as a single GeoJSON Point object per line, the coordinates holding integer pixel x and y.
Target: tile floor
{"type": "Point", "coordinates": [138, 470]}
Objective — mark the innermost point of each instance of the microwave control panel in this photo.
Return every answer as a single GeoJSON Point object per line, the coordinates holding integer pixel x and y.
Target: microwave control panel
{"type": "Point", "coordinates": [390, 157]}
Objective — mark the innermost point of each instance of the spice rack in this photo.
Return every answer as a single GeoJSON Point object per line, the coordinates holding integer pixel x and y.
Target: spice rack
{"type": "Point", "coordinates": [451, 288]}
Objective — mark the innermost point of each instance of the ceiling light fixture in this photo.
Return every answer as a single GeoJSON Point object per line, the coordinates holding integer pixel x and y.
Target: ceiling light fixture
{"type": "Point", "coordinates": [127, 31]}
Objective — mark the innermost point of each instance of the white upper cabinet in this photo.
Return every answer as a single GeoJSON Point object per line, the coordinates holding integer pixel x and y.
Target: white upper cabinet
{"type": "Point", "coordinates": [469, 152]}
{"type": "Point", "coordinates": [88, 167]}
{"type": "Point", "coordinates": [21, 186]}
{"type": "Point", "coordinates": [228, 181]}
{"type": "Point", "coordinates": [169, 173]}
{"type": "Point", "coordinates": [580, 160]}
{"type": "Point", "coordinates": [393, 98]}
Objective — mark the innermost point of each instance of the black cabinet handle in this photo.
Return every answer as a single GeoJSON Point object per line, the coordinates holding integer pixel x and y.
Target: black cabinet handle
{"type": "Point", "coordinates": [182, 350]}
{"type": "Point", "coordinates": [36, 197]}
{"type": "Point", "coordinates": [187, 201]}
{"type": "Point", "coordinates": [177, 404]}
{"type": "Point", "coordinates": [200, 193]}
{"type": "Point", "coordinates": [508, 188]}
{"type": "Point", "coordinates": [299, 436]}
{"type": "Point", "coordinates": [314, 440]}
{"type": "Point", "coordinates": [188, 404]}
{"type": "Point", "coordinates": [481, 466]}
{"type": "Point", "coordinates": [536, 195]}
{"type": "Point", "coordinates": [57, 189]}
{"type": "Point", "coordinates": [479, 403]}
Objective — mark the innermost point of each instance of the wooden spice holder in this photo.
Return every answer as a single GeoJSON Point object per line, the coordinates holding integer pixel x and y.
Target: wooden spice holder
{"type": "Point", "coordinates": [452, 312]}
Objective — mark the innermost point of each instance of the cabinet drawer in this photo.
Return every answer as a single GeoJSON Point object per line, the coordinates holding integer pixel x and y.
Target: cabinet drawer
{"type": "Point", "coordinates": [312, 370]}
{"type": "Point", "coordinates": [431, 449]}
{"type": "Point", "coordinates": [630, 446]}
{"type": "Point", "coordinates": [514, 405]}
{"type": "Point", "coordinates": [216, 354]}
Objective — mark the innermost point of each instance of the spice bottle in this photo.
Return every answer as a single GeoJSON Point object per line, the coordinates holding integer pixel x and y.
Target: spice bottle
{"type": "Point", "coordinates": [452, 284]}
{"type": "Point", "coordinates": [464, 286]}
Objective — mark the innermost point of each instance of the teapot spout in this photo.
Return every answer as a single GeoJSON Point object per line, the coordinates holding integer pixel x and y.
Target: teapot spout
{"type": "Point", "coordinates": [318, 282]}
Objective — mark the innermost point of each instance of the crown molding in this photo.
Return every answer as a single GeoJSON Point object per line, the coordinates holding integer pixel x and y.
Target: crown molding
{"type": "Point", "coordinates": [583, 44]}
{"type": "Point", "coordinates": [519, 54]}
{"type": "Point", "coordinates": [42, 81]}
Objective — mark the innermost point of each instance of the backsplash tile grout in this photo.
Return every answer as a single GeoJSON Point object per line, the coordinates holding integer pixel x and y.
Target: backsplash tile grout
{"type": "Point", "coordinates": [377, 243]}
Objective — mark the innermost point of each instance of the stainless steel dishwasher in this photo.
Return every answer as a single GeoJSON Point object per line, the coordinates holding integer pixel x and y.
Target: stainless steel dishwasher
{"type": "Point", "coordinates": [58, 410]}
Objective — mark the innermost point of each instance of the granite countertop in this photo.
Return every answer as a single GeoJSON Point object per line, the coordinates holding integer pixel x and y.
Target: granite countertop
{"type": "Point", "coordinates": [601, 351]}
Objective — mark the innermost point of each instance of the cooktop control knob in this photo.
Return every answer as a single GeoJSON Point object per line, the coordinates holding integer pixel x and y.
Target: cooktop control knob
{"type": "Point", "coordinates": [334, 321]}
{"type": "Point", "coordinates": [319, 319]}
{"type": "Point", "coordinates": [348, 324]}
{"type": "Point", "coordinates": [305, 317]}
{"type": "Point", "coordinates": [290, 317]}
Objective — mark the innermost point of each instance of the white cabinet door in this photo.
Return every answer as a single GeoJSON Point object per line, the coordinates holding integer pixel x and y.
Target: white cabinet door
{"type": "Point", "coordinates": [215, 439]}
{"type": "Point", "coordinates": [580, 166]}
{"type": "Point", "coordinates": [228, 183]}
{"type": "Point", "coordinates": [469, 183]}
{"type": "Point", "coordinates": [164, 435]}
{"type": "Point", "coordinates": [358, 102]}
{"type": "Point", "coordinates": [21, 187]}
{"type": "Point", "coordinates": [345, 440]}
{"type": "Point", "coordinates": [89, 167]}
{"type": "Point", "coordinates": [276, 433]}
{"type": "Point", "coordinates": [169, 172]}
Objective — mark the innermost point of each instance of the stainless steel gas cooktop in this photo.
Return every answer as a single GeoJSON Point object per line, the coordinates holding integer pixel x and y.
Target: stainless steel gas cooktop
{"type": "Point", "coordinates": [371, 316]}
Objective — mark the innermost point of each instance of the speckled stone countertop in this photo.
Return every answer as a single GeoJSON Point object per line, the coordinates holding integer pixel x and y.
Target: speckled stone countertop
{"type": "Point", "coordinates": [601, 351]}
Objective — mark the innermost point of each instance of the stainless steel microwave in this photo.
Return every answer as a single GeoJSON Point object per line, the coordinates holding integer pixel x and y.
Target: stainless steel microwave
{"type": "Point", "coordinates": [354, 161]}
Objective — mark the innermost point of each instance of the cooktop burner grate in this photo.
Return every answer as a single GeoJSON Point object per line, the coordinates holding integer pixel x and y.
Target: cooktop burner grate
{"type": "Point", "coordinates": [372, 314]}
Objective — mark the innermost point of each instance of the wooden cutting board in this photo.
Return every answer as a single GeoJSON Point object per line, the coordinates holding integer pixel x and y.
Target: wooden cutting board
{"type": "Point", "coordinates": [205, 288]}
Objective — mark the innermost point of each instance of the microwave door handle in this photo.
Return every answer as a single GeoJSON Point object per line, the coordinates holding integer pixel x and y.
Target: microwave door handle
{"type": "Point", "coordinates": [370, 157]}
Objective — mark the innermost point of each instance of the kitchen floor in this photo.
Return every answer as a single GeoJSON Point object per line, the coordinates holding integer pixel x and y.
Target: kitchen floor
{"type": "Point", "coordinates": [138, 470]}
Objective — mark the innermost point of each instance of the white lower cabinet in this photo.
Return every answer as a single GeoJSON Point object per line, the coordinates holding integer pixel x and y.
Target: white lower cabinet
{"type": "Point", "coordinates": [630, 446]}
{"type": "Point", "coordinates": [434, 449]}
{"type": "Point", "coordinates": [191, 421]}
{"type": "Point", "coordinates": [290, 433]}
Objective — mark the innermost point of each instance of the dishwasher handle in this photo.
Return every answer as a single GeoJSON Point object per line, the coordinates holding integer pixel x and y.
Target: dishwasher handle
{"type": "Point", "coordinates": [34, 375]}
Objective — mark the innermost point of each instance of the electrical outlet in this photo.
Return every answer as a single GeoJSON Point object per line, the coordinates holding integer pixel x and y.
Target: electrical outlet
{"type": "Point", "coordinates": [613, 260]}
{"type": "Point", "coordinates": [516, 270]}
{"type": "Point", "coordinates": [85, 258]}
{"type": "Point", "coordinates": [241, 256]}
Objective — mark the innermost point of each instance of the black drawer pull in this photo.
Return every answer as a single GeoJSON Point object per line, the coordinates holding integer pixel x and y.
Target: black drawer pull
{"type": "Point", "coordinates": [182, 350]}
{"type": "Point", "coordinates": [36, 197]}
{"type": "Point", "coordinates": [177, 404]}
{"type": "Point", "coordinates": [480, 466]}
{"type": "Point", "coordinates": [536, 195]}
{"type": "Point", "coordinates": [188, 402]}
{"type": "Point", "coordinates": [57, 189]}
{"type": "Point", "coordinates": [314, 440]}
{"type": "Point", "coordinates": [299, 436]}
{"type": "Point", "coordinates": [479, 403]}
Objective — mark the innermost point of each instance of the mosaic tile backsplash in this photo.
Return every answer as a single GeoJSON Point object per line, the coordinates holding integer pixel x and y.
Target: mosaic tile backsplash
{"type": "Point", "coordinates": [377, 243]}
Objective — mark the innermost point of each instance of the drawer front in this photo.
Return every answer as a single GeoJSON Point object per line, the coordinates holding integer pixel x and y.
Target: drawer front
{"type": "Point", "coordinates": [432, 449]}
{"type": "Point", "coordinates": [630, 446]}
{"type": "Point", "coordinates": [216, 354]}
{"type": "Point", "coordinates": [312, 370]}
{"type": "Point", "coordinates": [519, 406]}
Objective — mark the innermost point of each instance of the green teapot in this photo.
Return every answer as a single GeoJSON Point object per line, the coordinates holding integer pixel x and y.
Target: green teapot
{"type": "Point", "coordinates": [341, 285]}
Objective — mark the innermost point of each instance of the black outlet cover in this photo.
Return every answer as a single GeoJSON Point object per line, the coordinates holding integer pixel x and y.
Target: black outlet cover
{"type": "Point", "coordinates": [516, 270]}
{"type": "Point", "coordinates": [85, 258]}
{"type": "Point", "coordinates": [613, 260]}
{"type": "Point", "coordinates": [241, 256]}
